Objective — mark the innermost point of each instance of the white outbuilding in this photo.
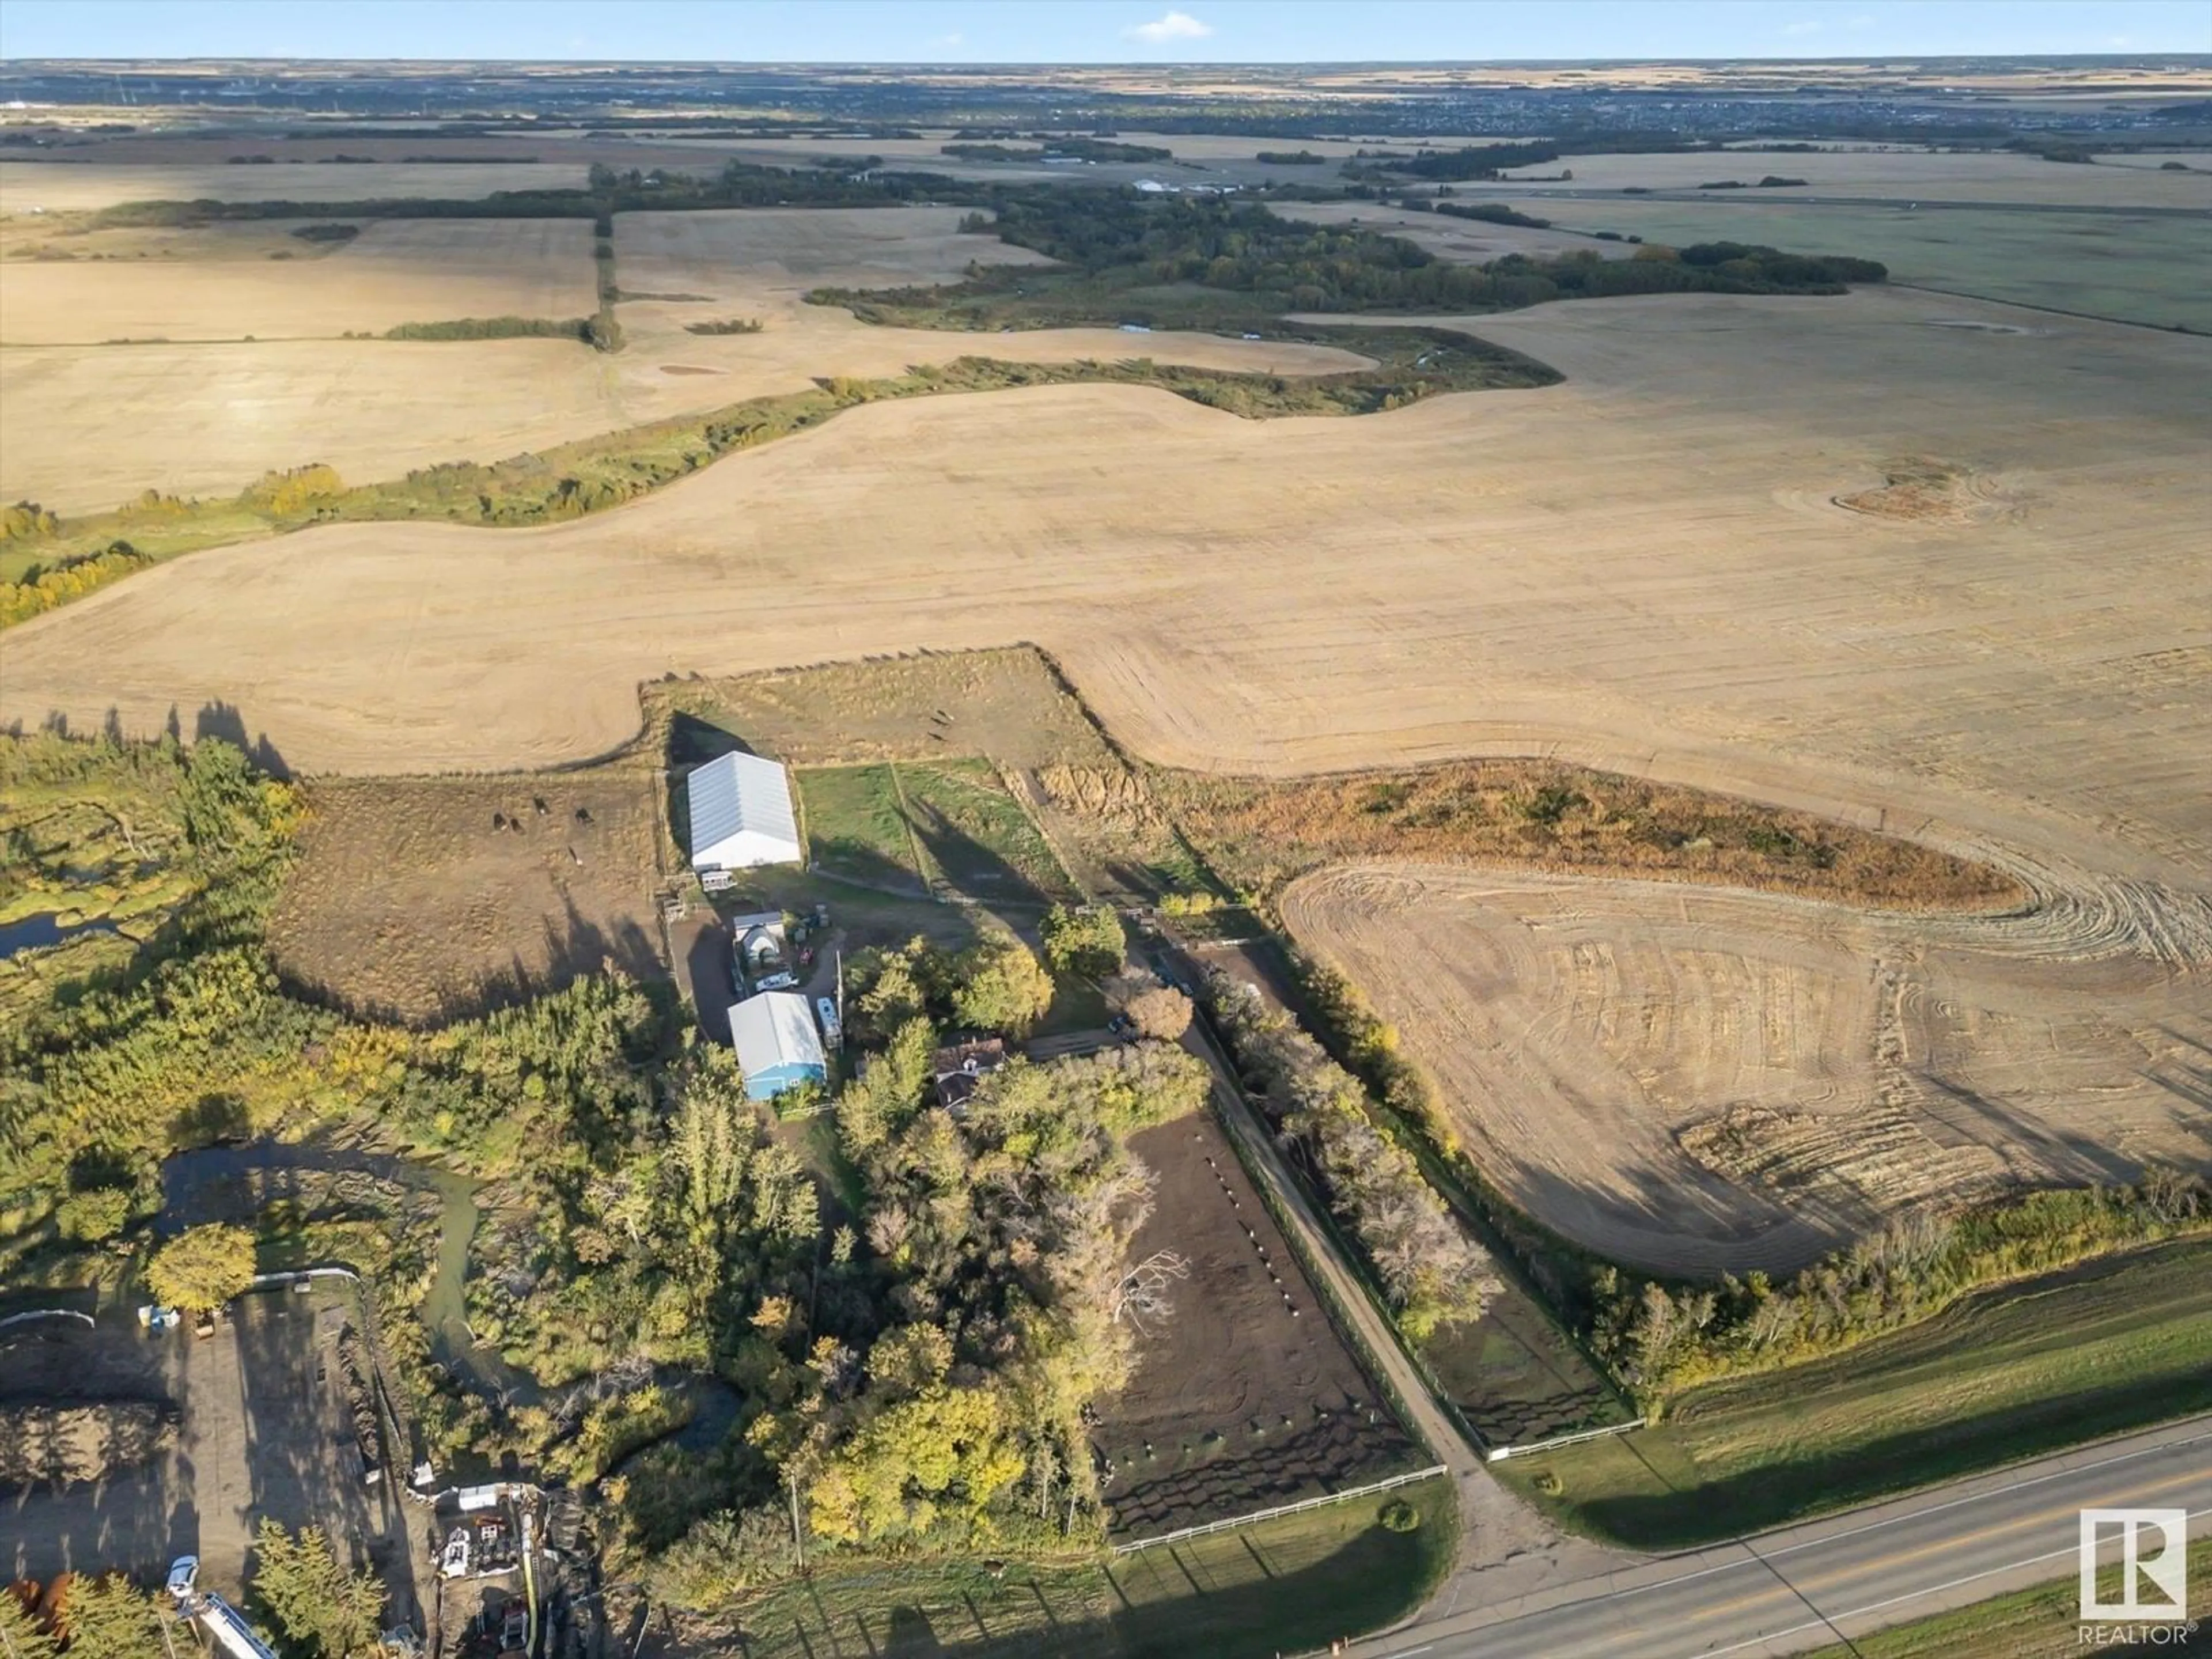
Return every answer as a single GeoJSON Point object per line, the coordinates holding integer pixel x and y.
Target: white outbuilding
{"type": "Point", "coordinates": [741, 815]}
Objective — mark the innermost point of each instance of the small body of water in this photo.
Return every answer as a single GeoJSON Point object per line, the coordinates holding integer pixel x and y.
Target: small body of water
{"type": "Point", "coordinates": [38, 932]}
{"type": "Point", "coordinates": [190, 1180]}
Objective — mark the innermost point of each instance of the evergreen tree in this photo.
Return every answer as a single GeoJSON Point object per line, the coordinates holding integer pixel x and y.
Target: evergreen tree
{"type": "Point", "coordinates": [110, 1618]}
{"type": "Point", "coordinates": [324, 1609]}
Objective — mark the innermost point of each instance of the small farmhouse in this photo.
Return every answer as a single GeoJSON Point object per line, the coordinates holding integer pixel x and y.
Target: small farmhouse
{"type": "Point", "coordinates": [741, 815]}
{"type": "Point", "coordinates": [778, 1047]}
{"type": "Point", "coordinates": [959, 1069]}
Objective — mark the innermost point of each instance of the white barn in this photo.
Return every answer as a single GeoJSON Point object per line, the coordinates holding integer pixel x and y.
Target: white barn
{"type": "Point", "coordinates": [741, 815]}
{"type": "Point", "coordinates": [778, 1047]}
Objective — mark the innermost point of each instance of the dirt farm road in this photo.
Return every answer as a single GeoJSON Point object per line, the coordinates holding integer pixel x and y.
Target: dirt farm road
{"type": "Point", "coordinates": [1513, 1550]}
{"type": "Point", "coordinates": [1835, 1579]}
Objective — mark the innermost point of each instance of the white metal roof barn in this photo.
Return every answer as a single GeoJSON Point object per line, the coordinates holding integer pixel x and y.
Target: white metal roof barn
{"type": "Point", "coordinates": [741, 814]}
{"type": "Point", "coordinates": [778, 1047]}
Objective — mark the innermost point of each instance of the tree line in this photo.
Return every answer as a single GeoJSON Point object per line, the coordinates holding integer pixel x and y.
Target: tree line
{"type": "Point", "coordinates": [1432, 1272]}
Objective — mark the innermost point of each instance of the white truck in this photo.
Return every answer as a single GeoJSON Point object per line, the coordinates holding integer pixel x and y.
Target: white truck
{"type": "Point", "coordinates": [222, 1623]}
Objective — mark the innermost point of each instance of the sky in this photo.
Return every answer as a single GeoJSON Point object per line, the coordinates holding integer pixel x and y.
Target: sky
{"type": "Point", "coordinates": [1095, 31]}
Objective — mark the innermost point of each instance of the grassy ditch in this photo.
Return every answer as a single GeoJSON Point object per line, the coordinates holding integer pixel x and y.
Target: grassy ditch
{"type": "Point", "coordinates": [2042, 1623]}
{"type": "Point", "coordinates": [1281, 1586]}
{"type": "Point", "coordinates": [2001, 1375]}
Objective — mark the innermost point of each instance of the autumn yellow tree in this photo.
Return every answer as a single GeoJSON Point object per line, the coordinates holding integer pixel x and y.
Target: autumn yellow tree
{"type": "Point", "coordinates": [202, 1268]}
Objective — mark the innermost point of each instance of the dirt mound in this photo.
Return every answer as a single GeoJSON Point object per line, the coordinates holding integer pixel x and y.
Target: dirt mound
{"type": "Point", "coordinates": [65, 1443]}
{"type": "Point", "coordinates": [1923, 491]}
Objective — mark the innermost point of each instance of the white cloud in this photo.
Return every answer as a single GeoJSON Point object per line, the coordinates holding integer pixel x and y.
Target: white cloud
{"type": "Point", "coordinates": [1176, 26]}
{"type": "Point", "coordinates": [1808, 26]}
{"type": "Point", "coordinates": [955, 39]}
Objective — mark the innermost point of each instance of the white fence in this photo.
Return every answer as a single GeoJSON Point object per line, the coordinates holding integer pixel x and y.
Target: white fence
{"type": "Point", "coordinates": [1280, 1508]}
{"type": "Point", "coordinates": [1498, 1453]}
{"type": "Point", "coordinates": [44, 1313]}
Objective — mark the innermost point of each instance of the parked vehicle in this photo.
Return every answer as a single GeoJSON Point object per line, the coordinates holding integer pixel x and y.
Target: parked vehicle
{"type": "Point", "coordinates": [455, 1562]}
{"type": "Point", "coordinates": [825, 1009]}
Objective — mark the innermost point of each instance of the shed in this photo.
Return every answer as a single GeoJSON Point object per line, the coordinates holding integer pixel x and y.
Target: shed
{"type": "Point", "coordinates": [741, 814]}
{"type": "Point", "coordinates": [778, 1047]}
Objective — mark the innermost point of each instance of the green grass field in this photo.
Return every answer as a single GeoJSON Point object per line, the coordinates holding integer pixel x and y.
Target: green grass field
{"type": "Point", "coordinates": [2136, 268]}
{"type": "Point", "coordinates": [2001, 1375]}
{"type": "Point", "coordinates": [1517, 1377]}
{"type": "Point", "coordinates": [855, 828]}
{"type": "Point", "coordinates": [1283, 1586]}
{"type": "Point", "coordinates": [977, 834]}
{"type": "Point", "coordinates": [2042, 1623]}
{"type": "Point", "coordinates": [919, 827]}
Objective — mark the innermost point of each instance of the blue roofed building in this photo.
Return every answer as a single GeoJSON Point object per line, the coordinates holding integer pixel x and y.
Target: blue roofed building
{"type": "Point", "coordinates": [778, 1047]}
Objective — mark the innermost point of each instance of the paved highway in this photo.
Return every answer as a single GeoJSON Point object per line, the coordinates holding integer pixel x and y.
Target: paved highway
{"type": "Point", "coordinates": [1831, 1580]}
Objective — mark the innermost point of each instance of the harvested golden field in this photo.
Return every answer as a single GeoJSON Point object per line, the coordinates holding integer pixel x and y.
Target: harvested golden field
{"type": "Point", "coordinates": [81, 186]}
{"type": "Point", "coordinates": [396, 270]}
{"type": "Point", "coordinates": [1644, 567]}
{"type": "Point", "coordinates": [1905, 175]}
{"type": "Point", "coordinates": [84, 428]}
{"type": "Point", "coordinates": [759, 264]}
{"type": "Point", "coordinates": [1697, 1081]}
{"type": "Point", "coordinates": [421, 899]}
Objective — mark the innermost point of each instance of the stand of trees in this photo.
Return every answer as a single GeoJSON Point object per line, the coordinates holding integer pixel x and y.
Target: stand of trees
{"type": "Point", "coordinates": [1116, 240]}
{"type": "Point", "coordinates": [1661, 1340]}
{"type": "Point", "coordinates": [930, 1393]}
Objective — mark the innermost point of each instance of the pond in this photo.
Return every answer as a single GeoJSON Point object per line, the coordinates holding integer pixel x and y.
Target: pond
{"type": "Point", "coordinates": [38, 932]}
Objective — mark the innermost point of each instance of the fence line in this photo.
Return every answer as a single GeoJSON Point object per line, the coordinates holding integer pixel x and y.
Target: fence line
{"type": "Point", "coordinates": [1258, 1516]}
{"type": "Point", "coordinates": [1497, 1454]}
{"type": "Point", "coordinates": [45, 1313]}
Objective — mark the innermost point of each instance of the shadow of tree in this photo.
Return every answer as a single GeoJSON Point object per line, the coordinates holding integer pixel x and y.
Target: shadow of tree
{"type": "Point", "coordinates": [224, 721]}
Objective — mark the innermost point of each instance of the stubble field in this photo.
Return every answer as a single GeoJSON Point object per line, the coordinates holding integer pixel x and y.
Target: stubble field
{"type": "Point", "coordinates": [759, 264]}
{"type": "Point", "coordinates": [1709, 1081]}
{"type": "Point", "coordinates": [396, 270]}
{"type": "Point", "coordinates": [199, 171]}
{"type": "Point", "coordinates": [1646, 566]}
{"type": "Point", "coordinates": [1907, 174]}
{"type": "Point", "coordinates": [86, 427]}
